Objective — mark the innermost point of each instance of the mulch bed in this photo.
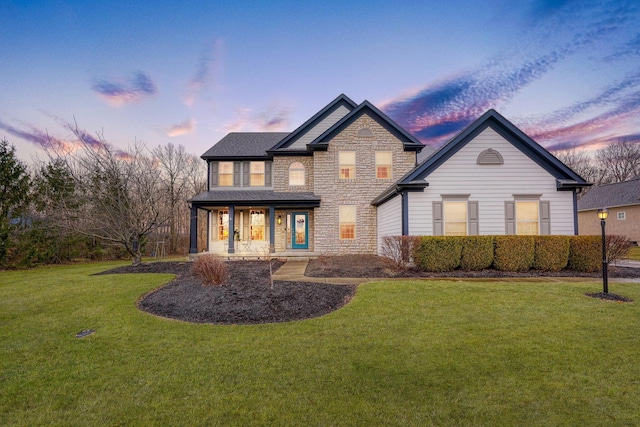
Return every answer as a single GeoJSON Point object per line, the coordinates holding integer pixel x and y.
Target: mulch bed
{"type": "Point", "coordinates": [245, 298]}
{"type": "Point", "coordinates": [375, 266]}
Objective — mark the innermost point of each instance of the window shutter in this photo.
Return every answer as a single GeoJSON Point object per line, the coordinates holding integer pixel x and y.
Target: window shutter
{"type": "Point", "coordinates": [213, 170]}
{"type": "Point", "coordinates": [437, 219]}
{"type": "Point", "coordinates": [472, 207]}
{"type": "Point", "coordinates": [510, 217]}
{"type": "Point", "coordinates": [267, 174]}
{"type": "Point", "coordinates": [245, 174]}
{"type": "Point", "coordinates": [545, 218]}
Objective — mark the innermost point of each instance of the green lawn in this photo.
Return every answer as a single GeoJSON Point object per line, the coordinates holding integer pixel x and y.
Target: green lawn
{"type": "Point", "coordinates": [401, 353]}
{"type": "Point", "coordinates": [634, 253]}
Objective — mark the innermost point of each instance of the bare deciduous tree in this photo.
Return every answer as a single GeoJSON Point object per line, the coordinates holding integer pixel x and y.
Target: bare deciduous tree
{"type": "Point", "coordinates": [120, 194]}
{"type": "Point", "coordinates": [619, 161]}
{"type": "Point", "coordinates": [580, 162]}
{"type": "Point", "coordinates": [174, 164]}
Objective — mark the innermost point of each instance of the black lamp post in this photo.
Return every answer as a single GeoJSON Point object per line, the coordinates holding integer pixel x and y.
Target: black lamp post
{"type": "Point", "coordinates": [603, 214]}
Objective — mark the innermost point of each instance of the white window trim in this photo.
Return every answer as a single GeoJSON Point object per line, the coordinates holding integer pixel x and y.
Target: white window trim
{"type": "Point", "coordinates": [621, 216]}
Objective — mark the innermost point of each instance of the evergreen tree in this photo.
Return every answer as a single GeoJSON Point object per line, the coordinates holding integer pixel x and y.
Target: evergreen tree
{"type": "Point", "coordinates": [14, 195]}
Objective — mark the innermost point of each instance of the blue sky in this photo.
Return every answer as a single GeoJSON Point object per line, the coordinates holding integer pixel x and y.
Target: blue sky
{"type": "Point", "coordinates": [566, 72]}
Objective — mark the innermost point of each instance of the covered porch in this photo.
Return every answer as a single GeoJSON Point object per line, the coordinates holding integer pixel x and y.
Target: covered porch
{"type": "Point", "coordinates": [244, 224]}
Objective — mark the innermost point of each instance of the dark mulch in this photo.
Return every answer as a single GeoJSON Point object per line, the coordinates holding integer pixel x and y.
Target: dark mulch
{"type": "Point", "coordinates": [609, 297]}
{"type": "Point", "coordinates": [246, 297]}
{"type": "Point", "coordinates": [375, 266]}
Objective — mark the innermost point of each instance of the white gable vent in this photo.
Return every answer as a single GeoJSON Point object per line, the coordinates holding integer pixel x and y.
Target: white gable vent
{"type": "Point", "coordinates": [490, 157]}
{"type": "Point", "coordinates": [365, 133]}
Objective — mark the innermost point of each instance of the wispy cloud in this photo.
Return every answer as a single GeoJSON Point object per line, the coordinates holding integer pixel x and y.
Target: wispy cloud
{"type": "Point", "coordinates": [42, 139]}
{"type": "Point", "coordinates": [438, 111]}
{"type": "Point", "coordinates": [117, 92]}
{"type": "Point", "coordinates": [271, 119]}
{"type": "Point", "coordinates": [206, 70]}
{"type": "Point", "coordinates": [183, 128]}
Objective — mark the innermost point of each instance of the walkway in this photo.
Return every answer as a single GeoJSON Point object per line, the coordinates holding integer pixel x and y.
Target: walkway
{"type": "Point", "coordinates": [293, 271]}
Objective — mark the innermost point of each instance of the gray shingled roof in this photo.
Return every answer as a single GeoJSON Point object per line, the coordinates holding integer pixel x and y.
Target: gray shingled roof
{"type": "Point", "coordinates": [258, 196]}
{"type": "Point", "coordinates": [244, 144]}
{"type": "Point", "coordinates": [611, 195]}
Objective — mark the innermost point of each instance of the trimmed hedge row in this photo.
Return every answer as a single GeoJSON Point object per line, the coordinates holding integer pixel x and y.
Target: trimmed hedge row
{"type": "Point", "coordinates": [507, 253]}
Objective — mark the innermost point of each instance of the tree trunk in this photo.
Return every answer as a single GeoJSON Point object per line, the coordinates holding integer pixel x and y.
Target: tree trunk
{"type": "Point", "coordinates": [136, 260]}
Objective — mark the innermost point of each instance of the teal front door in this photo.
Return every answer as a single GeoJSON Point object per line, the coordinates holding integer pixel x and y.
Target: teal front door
{"type": "Point", "coordinates": [300, 235]}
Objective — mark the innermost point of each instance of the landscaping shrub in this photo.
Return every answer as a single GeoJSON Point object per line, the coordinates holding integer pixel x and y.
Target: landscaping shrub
{"type": "Point", "coordinates": [617, 247]}
{"type": "Point", "coordinates": [211, 269]}
{"type": "Point", "coordinates": [513, 253]}
{"type": "Point", "coordinates": [398, 250]}
{"type": "Point", "coordinates": [585, 253]}
{"type": "Point", "coordinates": [477, 252]}
{"type": "Point", "coordinates": [551, 252]}
{"type": "Point", "coordinates": [435, 253]}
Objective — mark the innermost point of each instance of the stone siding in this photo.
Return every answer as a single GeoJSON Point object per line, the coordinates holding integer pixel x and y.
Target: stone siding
{"type": "Point", "coordinates": [359, 191]}
{"type": "Point", "coordinates": [281, 174]}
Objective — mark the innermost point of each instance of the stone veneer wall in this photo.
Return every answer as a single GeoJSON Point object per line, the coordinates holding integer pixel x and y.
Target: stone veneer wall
{"type": "Point", "coordinates": [359, 191]}
{"type": "Point", "coordinates": [281, 173]}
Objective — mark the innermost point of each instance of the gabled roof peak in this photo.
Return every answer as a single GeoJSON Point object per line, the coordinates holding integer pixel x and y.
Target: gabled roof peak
{"type": "Point", "coordinates": [410, 141]}
{"type": "Point", "coordinates": [491, 118]}
{"type": "Point", "coordinates": [340, 100]}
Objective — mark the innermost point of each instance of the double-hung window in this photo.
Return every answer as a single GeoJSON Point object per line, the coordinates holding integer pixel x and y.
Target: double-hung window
{"type": "Point", "coordinates": [257, 174]}
{"type": "Point", "coordinates": [347, 164]}
{"type": "Point", "coordinates": [455, 215]}
{"type": "Point", "coordinates": [347, 222]}
{"type": "Point", "coordinates": [455, 218]}
{"type": "Point", "coordinates": [296, 174]}
{"type": "Point", "coordinates": [225, 174]}
{"type": "Point", "coordinates": [528, 215]}
{"type": "Point", "coordinates": [383, 164]}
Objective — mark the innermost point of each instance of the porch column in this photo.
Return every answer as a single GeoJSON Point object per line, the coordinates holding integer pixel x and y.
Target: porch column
{"type": "Point", "coordinates": [193, 231]}
{"type": "Point", "coordinates": [232, 227]}
{"type": "Point", "coordinates": [404, 197]}
{"type": "Point", "coordinates": [272, 229]}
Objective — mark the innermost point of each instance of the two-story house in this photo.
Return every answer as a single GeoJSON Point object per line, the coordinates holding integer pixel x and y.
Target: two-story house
{"type": "Point", "coordinates": [349, 176]}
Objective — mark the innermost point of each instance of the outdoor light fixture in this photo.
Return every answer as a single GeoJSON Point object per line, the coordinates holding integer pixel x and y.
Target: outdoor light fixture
{"type": "Point", "coordinates": [279, 219]}
{"type": "Point", "coordinates": [603, 214]}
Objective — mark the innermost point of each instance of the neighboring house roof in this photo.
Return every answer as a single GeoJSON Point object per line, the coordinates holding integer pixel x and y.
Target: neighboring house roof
{"type": "Point", "coordinates": [625, 193]}
{"type": "Point", "coordinates": [410, 142]}
{"type": "Point", "coordinates": [566, 179]}
{"type": "Point", "coordinates": [244, 145]}
{"type": "Point", "coordinates": [320, 121]}
{"type": "Point", "coordinates": [255, 197]}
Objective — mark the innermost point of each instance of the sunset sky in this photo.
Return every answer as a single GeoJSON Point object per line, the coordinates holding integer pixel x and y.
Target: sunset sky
{"type": "Point", "coordinates": [566, 72]}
